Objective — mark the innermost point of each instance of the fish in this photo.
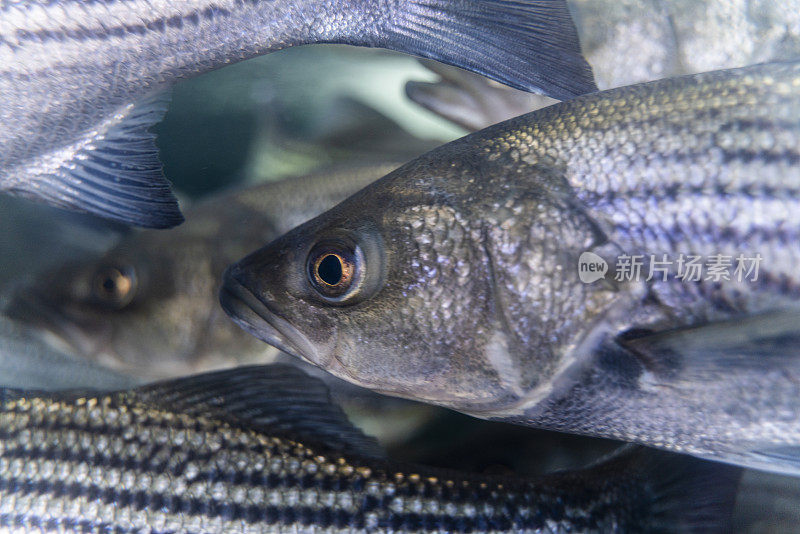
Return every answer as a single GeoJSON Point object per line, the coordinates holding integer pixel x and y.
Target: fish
{"type": "Point", "coordinates": [60, 235]}
{"type": "Point", "coordinates": [148, 307]}
{"type": "Point", "coordinates": [262, 449]}
{"type": "Point", "coordinates": [82, 84]}
{"type": "Point", "coordinates": [670, 37]}
{"type": "Point", "coordinates": [489, 275]}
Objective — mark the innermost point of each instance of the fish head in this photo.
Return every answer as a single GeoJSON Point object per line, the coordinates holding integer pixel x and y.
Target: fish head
{"type": "Point", "coordinates": [388, 290]}
{"type": "Point", "coordinates": [146, 307]}
{"type": "Point", "coordinates": [71, 301]}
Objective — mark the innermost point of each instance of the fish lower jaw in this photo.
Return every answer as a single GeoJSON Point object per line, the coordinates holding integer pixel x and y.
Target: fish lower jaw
{"type": "Point", "coordinates": [82, 347]}
{"type": "Point", "coordinates": [255, 318]}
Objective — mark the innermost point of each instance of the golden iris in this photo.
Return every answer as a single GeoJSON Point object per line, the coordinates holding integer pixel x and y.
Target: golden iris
{"type": "Point", "coordinates": [113, 286]}
{"type": "Point", "coordinates": [332, 271]}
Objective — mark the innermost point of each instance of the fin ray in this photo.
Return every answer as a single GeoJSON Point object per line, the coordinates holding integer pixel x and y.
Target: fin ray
{"type": "Point", "coordinates": [788, 454]}
{"type": "Point", "coordinates": [277, 398]}
{"type": "Point", "coordinates": [117, 174]}
{"type": "Point", "coordinates": [744, 342]}
{"type": "Point", "coordinates": [528, 44]}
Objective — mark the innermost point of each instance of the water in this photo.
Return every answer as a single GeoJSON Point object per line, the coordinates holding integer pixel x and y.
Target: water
{"type": "Point", "coordinates": [306, 108]}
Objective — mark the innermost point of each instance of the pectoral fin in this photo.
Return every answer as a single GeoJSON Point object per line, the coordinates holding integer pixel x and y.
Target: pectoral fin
{"type": "Point", "coordinates": [780, 455]}
{"type": "Point", "coordinates": [769, 339]}
{"type": "Point", "coordinates": [115, 172]}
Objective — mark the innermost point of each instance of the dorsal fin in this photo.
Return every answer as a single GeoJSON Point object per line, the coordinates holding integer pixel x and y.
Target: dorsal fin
{"type": "Point", "coordinates": [274, 398]}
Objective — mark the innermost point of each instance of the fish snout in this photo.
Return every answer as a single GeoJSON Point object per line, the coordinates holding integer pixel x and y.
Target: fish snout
{"type": "Point", "coordinates": [259, 317]}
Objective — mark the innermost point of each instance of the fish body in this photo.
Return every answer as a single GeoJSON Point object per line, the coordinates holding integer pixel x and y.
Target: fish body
{"type": "Point", "coordinates": [262, 450]}
{"type": "Point", "coordinates": [82, 83]}
{"type": "Point", "coordinates": [457, 279]}
{"type": "Point", "coordinates": [148, 307]}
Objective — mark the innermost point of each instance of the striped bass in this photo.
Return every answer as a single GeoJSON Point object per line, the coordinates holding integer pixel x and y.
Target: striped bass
{"type": "Point", "coordinates": [622, 265]}
{"type": "Point", "coordinates": [260, 449]}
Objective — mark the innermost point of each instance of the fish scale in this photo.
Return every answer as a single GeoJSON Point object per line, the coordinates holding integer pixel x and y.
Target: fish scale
{"type": "Point", "coordinates": [124, 462]}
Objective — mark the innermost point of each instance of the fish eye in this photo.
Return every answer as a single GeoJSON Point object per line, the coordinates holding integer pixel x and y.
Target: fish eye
{"type": "Point", "coordinates": [334, 270]}
{"type": "Point", "coordinates": [114, 286]}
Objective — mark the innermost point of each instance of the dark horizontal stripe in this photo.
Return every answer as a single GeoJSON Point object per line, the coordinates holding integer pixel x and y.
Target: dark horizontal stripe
{"type": "Point", "coordinates": [102, 33]}
{"type": "Point", "coordinates": [684, 228]}
{"type": "Point", "coordinates": [661, 124]}
{"type": "Point", "coordinates": [768, 157]}
{"type": "Point", "coordinates": [458, 494]}
{"type": "Point", "coordinates": [508, 503]}
{"type": "Point", "coordinates": [253, 479]}
{"type": "Point", "coordinates": [679, 189]}
{"type": "Point", "coordinates": [26, 5]}
{"type": "Point", "coordinates": [510, 517]}
{"type": "Point", "coordinates": [172, 504]}
{"type": "Point", "coordinates": [68, 524]}
{"type": "Point", "coordinates": [509, 499]}
{"type": "Point", "coordinates": [746, 125]}
{"type": "Point", "coordinates": [59, 423]}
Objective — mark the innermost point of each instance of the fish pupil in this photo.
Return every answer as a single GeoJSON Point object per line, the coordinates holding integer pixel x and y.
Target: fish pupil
{"type": "Point", "coordinates": [113, 287]}
{"type": "Point", "coordinates": [109, 285]}
{"type": "Point", "coordinates": [329, 269]}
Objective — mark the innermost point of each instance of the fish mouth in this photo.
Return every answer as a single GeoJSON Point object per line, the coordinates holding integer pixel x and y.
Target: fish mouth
{"type": "Point", "coordinates": [258, 319]}
{"type": "Point", "coordinates": [57, 330]}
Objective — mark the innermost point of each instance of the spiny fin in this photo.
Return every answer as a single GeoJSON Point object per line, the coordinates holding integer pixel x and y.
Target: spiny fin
{"type": "Point", "coordinates": [679, 493]}
{"type": "Point", "coordinates": [116, 174]}
{"type": "Point", "coordinates": [471, 100]}
{"type": "Point", "coordinates": [274, 398]}
{"type": "Point", "coordinates": [528, 44]}
{"type": "Point", "coordinates": [771, 339]}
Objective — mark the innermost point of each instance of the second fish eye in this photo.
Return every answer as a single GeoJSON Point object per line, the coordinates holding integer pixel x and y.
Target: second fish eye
{"type": "Point", "coordinates": [114, 286]}
{"type": "Point", "coordinates": [333, 270]}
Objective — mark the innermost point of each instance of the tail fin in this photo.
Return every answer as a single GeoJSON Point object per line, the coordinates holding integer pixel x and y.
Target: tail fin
{"type": "Point", "coordinates": [527, 44]}
{"type": "Point", "coordinates": [678, 493]}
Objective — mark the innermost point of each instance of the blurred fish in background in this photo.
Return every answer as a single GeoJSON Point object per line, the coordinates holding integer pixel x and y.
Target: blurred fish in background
{"type": "Point", "coordinates": [148, 306]}
{"type": "Point", "coordinates": [29, 361]}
